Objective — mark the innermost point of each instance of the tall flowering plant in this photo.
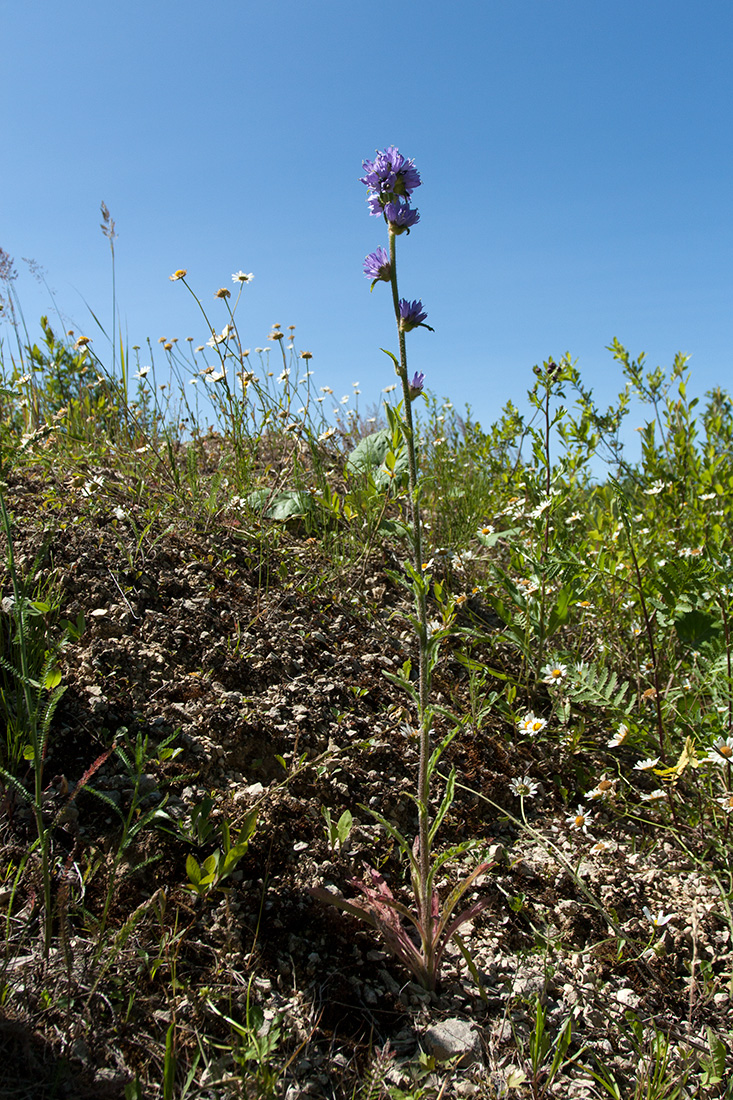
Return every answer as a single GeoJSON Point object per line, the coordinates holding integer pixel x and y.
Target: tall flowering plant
{"type": "Point", "coordinates": [417, 936]}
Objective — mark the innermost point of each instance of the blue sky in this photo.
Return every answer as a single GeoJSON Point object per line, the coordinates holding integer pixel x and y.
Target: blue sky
{"type": "Point", "coordinates": [576, 157]}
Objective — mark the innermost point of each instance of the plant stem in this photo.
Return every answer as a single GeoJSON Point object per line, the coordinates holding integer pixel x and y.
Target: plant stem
{"type": "Point", "coordinates": [423, 783]}
{"type": "Point", "coordinates": [726, 630]}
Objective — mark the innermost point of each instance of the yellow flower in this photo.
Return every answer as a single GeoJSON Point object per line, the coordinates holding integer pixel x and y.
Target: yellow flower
{"type": "Point", "coordinates": [82, 342]}
{"type": "Point", "coordinates": [222, 293]}
{"type": "Point", "coordinates": [177, 274]}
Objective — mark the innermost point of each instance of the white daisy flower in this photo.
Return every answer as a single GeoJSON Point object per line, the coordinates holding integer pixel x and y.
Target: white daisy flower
{"type": "Point", "coordinates": [604, 788]}
{"type": "Point", "coordinates": [580, 820]}
{"type": "Point", "coordinates": [554, 674]}
{"type": "Point", "coordinates": [647, 764]}
{"type": "Point", "coordinates": [619, 737]}
{"type": "Point", "coordinates": [660, 920]}
{"type": "Point", "coordinates": [524, 787]}
{"type": "Point", "coordinates": [722, 751]}
{"type": "Point", "coordinates": [531, 724]}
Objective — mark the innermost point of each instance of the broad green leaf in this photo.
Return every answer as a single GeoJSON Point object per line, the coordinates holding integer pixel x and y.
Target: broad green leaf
{"type": "Point", "coordinates": [193, 871]}
{"type": "Point", "coordinates": [344, 826]}
{"type": "Point", "coordinates": [282, 506]}
{"type": "Point", "coordinates": [370, 452]}
{"type": "Point", "coordinates": [290, 504]}
{"type": "Point", "coordinates": [694, 628]}
{"type": "Point", "coordinates": [53, 679]}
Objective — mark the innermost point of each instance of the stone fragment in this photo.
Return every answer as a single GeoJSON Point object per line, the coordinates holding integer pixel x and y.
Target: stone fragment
{"type": "Point", "coordinates": [454, 1038]}
{"type": "Point", "coordinates": [628, 997]}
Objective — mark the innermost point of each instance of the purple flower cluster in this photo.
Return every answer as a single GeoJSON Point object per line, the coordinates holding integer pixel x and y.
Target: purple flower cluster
{"type": "Point", "coordinates": [400, 216]}
{"type": "Point", "coordinates": [411, 314]}
{"type": "Point", "coordinates": [390, 173]}
{"type": "Point", "coordinates": [377, 265]}
{"type": "Point", "coordinates": [391, 179]}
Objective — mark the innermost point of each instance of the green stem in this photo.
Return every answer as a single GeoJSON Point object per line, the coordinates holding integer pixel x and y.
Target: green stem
{"type": "Point", "coordinates": [423, 784]}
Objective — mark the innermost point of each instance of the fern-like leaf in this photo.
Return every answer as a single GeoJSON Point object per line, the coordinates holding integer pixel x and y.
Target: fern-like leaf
{"type": "Point", "coordinates": [599, 687]}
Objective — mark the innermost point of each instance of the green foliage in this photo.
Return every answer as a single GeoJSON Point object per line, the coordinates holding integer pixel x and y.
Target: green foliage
{"type": "Point", "coordinates": [64, 376]}
{"type": "Point", "coordinates": [547, 1055]}
{"type": "Point", "coordinates": [291, 504]}
{"type": "Point", "coordinates": [217, 867]}
{"type": "Point", "coordinates": [544, 539]}
{"type": "Point", "coordinates": [256, 1043]}
{"type": "Point", "coordinates": [337, 832]}
{"type": "Point", "coordinates": [381, 459]}
{"type": "Point", "coordinates": [714, 1066]}
{"type": "Point", "coordinates": [656, 1077]}
{"type": "Point", "coordinates": [596, 686]}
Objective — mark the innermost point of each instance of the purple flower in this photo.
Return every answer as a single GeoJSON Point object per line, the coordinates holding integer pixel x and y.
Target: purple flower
{"type": "Point", "coordinates": [400, 216]}
{"type": "Point", "coordinates": [376, 205]}
{"type": "Point", "coordinates": [411, 314]}
{"type": "Point", "coordinates": [377, 265]}
{"type": "Point", "coordinates": [416, 383]}
{"type": "Point", "coordinates": [390, 173]}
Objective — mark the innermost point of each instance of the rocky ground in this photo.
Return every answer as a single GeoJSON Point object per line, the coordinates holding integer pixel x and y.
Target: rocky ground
{"type": "Point", "coordinates": [247, 669]}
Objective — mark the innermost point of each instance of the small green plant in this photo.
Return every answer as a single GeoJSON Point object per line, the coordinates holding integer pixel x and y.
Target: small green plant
{"type": "Point", "coordinates": [547, 1056]}
{"type": "Point", "coordinates": [28, 714]}
{"type": "Point", "coordinates": [337, 832]}
{"type": "Point", "coordinates": [713, 1065]}
{"type": "Point", "coordinates": [657, 1076]}
{"type": "Point", "coordinates": [135, 758]}
{"type": "Point", "coordinates": [256, 1042]}
{"type": "Point", "coordinates": [200, 828]}
{"type": "Point", "coordinates": [216, 868]}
